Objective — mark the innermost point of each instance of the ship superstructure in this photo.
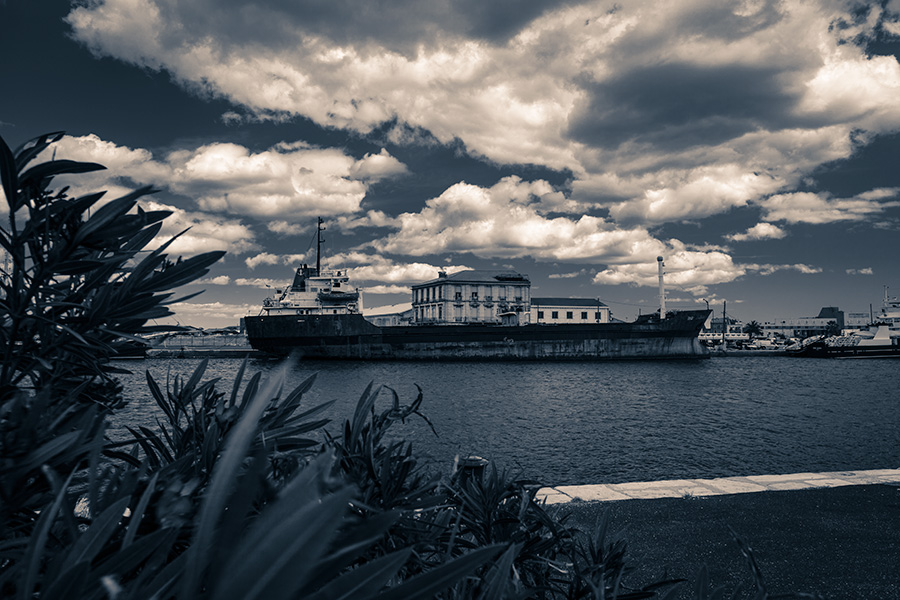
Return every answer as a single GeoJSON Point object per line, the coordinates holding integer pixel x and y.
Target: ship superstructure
{"type": "Point", "coordinates": [890, 311]}
{"type": "Point", "coordinates": [315, 291]}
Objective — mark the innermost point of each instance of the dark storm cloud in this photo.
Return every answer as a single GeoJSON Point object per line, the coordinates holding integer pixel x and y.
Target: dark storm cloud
{"type": "Point", "coordinates": [681, 105]}
{"type": "Point", "coordinates": [396, 25]}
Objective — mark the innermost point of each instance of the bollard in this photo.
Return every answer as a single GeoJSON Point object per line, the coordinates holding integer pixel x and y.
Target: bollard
{"type": "Point", "coordinates": [471, 467]}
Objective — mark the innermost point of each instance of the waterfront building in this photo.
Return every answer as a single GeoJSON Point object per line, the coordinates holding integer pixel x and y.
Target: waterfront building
{"type": "Point", "coordinates": [569, 310]}
{"type": "Point", "coordinates": [830, 320]}
{"type": "Point", "coordinates": [475, 296]}
{"type": "Point", "coordinates": [391, 315]}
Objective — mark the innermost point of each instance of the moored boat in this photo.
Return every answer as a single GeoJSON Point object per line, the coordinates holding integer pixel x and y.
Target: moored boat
{"type": "Point", "coordinates": [880, 340]}
{"type": "Point", "coordinates": [882, 343]}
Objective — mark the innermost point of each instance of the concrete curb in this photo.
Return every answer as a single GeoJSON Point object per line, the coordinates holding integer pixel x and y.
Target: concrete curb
{"type": "Point", "coordinates": [685, 488]}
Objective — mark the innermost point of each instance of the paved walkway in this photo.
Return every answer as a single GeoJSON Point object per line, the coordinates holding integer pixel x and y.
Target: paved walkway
{"type": "Point", "coordinates": [682, 488]}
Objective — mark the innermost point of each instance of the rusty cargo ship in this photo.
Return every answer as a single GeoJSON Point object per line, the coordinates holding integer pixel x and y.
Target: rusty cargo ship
{"type": "Point", "coordinates": [468, 315]}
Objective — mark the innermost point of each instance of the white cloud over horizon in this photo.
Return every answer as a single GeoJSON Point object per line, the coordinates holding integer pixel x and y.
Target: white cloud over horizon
{"type": "Point", "coordinates": [649, 113]}
{"type": "Point", "coordinates": [658, 114]}
{"type": "Point", "coordinates": [760, 231]}
{"type": "Point", "coordinates": [293, 180]}
{"type": "Point", "coordinates": [821, 208]}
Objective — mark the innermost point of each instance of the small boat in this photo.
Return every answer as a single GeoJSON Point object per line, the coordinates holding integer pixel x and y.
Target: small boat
{"type": "Point", "coordinates": [880, 340]}
{"type": "Point", "coordinates": [883, 342]}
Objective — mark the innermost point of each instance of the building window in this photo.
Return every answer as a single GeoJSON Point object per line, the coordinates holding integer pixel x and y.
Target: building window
{"type": "Point", "coordinates": [584, 315]}
{"type": "Point", "coordinates": [597, 315]}
{"type": "Point", "coordinates": [554, 314]}
{"type": "Point", "coordinates": [540, 314]}
{"type": "Point", "coordinates": [568, 314]}
{"type": "Point", "coordinates": [474, 295]}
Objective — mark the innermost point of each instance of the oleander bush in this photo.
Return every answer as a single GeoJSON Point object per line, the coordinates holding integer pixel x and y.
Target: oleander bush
{"type": "Point", "coordinates": [238, 494]}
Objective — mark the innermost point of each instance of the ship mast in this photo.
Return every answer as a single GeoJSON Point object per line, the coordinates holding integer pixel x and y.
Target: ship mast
{"type": "Point", "coordinates": [662, 289]}
{"type": "Point", "coordinates": [319, 230]}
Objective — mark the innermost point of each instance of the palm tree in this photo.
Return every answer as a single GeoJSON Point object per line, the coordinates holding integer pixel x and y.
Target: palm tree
{"type": "Point", "coordinates": [753, 328]}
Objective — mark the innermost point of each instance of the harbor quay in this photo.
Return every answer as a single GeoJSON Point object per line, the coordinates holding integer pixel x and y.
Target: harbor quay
{"type": "Point", "coordinates": [811, 535]}
{"type": "Point", "coordinates": [685, 488]}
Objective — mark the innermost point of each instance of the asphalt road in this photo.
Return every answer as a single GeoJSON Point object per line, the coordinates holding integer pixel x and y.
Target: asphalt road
{"type": "Point", "coordinates": [839, 542]}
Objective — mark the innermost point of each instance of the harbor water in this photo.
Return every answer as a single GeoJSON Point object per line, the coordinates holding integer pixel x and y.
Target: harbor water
{"type": "Point", "coordinates": [585, 423]}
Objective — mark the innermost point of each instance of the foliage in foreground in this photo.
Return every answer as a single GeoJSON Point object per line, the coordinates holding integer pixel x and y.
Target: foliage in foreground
{"type": "Point", "coordinates": [232, 495]}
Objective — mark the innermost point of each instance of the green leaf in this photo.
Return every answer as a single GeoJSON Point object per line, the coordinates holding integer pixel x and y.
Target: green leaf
{"type": "Point", "coordinates": [224, 476]}
{"type": "Point", "coordinates": [497, 580]}
{"type": "Point", "coordinates": [426, 585]}
{"type": "Point", "coordinates": [278, 556]}
{"type": "Point", "coordinates": [110, 211]}
{"type": "Point", "coordinates": [353, 543]}
{"type": "Point", "coordinates": [34, 553]}
{"type": "Point", "coordinates": [364, 581]}
{"type": "Point", "coordinates": [97, 535]}
{"type": "Point", "coordinates": [69, 584]}
{"type": "Point", "coordinates": [25, 153]}
{"type": "Point", "coordinates": [8, 175]}
{"type": "Point", "coordinates": [126, 559]}
{"type": "Point", "coordinates": [51, 168]}
{"type": "Point", "coordinates": [49, 450]}
{"type": "Point", "coordinates": [183, 272]}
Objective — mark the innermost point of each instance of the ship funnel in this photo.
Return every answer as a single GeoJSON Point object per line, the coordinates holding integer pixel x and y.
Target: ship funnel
{"type": "Point", "coordinates": [662, 289]}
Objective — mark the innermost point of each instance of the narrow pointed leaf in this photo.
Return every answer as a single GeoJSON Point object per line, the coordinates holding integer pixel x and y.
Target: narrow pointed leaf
{"type": "Point", "coordinates": [34, 552]}
{"type": "Point", "coordinates": [426, 585]}
{"type": "Point", "coordinates": [8, 175]}
{"type": "Point", "coordinates": [96, 536]}
{"type": "Point", "coordinates": [364, 581]}
{"type": "Point", "coordinates": [138, 514]}
{"type": "Point", "coordinates": [224, 475]}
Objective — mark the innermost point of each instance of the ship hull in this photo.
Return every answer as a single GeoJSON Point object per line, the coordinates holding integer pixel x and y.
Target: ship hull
{"type": "Point", "coordinates": [351, 337]}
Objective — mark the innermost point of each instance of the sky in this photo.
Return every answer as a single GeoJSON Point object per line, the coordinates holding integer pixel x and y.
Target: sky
{"type": "Point", "coordinates": [752, 144]}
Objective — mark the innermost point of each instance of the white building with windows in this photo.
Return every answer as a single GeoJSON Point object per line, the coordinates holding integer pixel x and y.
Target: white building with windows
{"type": "Point", "coordinates": [569, 310]}
{"type": "Point", "coordinates": [473, 297]}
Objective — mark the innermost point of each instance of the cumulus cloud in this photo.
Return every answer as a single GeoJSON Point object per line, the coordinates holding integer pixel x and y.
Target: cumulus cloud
{"type": "Point", "coordinates": [760, 231]}
{"type": "Point", "coordinates": [819, 208]}
{"type": "Point", "coordinates": [863, 271]}
{"type": "Point", "coordinates": [205, 233]}
{"type": "Point", "coordinates": [292, 180]}
{"type": "Point", "coordinates": [375, 167]}
{"type": "Point", "coordinates": [265, 258]}
{"type": "Point", "coordinates": [211, 313]}
{"type": "Point", "coordinates": [387, 289]}
{"type": "Point", "coordinates": [285, 228]}
{"type": "Point", "coordinates": [660, 111]}
{"type": "Point", "coordinates": [767, 269]}
{"type": "Point", "coordinates": [372, 268]}
{"type": "Point", "coordinates": [506, 220]}
{"type": "Point", "coordinates": [258, 282]}
{"type": "Point", "coordinates": [685, 268]}
{"type": "Point", "coordinates": [218, 280]}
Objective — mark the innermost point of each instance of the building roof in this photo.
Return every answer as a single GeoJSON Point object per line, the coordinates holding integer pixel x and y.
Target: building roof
{"type": "Point", "coordinates": [390, 309]}
{"type": "Point", "coordinates": [480, 276]}
{"type": "Point", "coordinates": [566, 302]}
